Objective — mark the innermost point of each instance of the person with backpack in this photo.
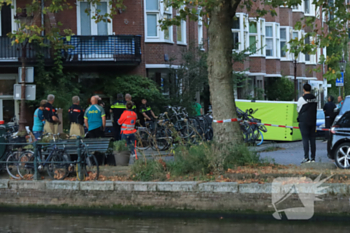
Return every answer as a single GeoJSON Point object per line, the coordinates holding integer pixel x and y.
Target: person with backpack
{"type": "Point", "coordinates": [307, 112]}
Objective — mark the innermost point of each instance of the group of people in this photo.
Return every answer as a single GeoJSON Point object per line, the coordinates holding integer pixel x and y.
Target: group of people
{"type": "Point", "coordinates": [307, 117]}
{"type": "Point", "coordinates": [124, 112]}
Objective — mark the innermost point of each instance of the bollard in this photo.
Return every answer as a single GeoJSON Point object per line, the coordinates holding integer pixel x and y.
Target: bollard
{"type": "Point", "coordinates": [135, 151]}
{"type": "Point", "coordinates": [36, 173]}
{"type": "Point", "coordinates": [79, 170]}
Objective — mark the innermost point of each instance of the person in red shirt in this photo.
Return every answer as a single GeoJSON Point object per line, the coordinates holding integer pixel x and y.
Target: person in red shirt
{"type": "Point", "coordinates": [127, 121]}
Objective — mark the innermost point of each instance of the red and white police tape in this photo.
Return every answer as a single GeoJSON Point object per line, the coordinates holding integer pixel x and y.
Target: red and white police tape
{"type": "Point", "coordinates": [255, 123]}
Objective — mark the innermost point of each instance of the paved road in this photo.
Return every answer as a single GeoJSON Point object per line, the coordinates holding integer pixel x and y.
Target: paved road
{"type": "Point", "coordinates": [293, 153]}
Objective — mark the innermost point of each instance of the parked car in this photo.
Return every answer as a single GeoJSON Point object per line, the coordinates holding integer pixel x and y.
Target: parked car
{"type": "Point", "coordinates": [345, 107]}
{"type": "Point", "coordinates": [338, 146]}
{"type": "Point", "coordinates": [320, 123]}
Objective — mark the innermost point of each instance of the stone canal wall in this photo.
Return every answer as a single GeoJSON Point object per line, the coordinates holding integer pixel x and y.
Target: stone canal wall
{"type": "Point", "coordinates": [211, 196]}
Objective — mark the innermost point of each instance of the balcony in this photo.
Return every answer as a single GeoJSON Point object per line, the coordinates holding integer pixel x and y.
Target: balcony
{"type": "Point", "coordinates": [10, 55]}
{"type": "Point", "coordinates": [106, 50]}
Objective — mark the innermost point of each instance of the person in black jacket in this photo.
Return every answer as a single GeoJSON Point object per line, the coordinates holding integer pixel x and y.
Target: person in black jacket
{"type": "Point", "coordinates": [307, 111]}
{"type": "Point", "coordinates": [117, 109]}
{"type": "Point", "coordinates": [328, 109]}
{"type": "Point", "coordinates": [76, 118]}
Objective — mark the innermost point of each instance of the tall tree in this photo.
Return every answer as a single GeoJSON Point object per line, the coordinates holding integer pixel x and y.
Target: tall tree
{"type": "Point", "coordinates": [219, 15]}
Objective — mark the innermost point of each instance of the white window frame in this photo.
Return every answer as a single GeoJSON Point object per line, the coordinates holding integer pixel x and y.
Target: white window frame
{"type": "Point", "coordinates": [299, 8]}
{"type": "Point", "coordinates": [312, 60]}
{"type": "Point", "coordinates": [275, 40]}
{"type": "Point", "coordinates": [243, 31]}
{"type": "Point", "coordinates": [183, 40]}
{"type": "Point", "coordinates": [93, 24]}
{"type": "Point", "coordinates": [200, 30]}
{"type": "Point", "coordinates": [312, 8]}
{"type": "Point", "coordinates": [288, 37]}
{"type": "Point", "coordinates": [161, 14]}
{"type": "Point", "coordinates": [301, 57]}
{"type": "Point", "coordinates": [13, 13]}
{"type": "Point", "coordinates": [259, 51]}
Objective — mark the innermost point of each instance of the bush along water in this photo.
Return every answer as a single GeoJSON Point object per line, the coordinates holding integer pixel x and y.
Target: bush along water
{"type": "Point", "coordinates": [196, 160]}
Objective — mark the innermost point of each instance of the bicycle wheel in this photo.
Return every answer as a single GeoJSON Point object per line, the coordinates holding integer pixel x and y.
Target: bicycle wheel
{"type": "Point", "coordinates": [25, 166]}
{"type": "Point", "coordinates": [57, 168]}
{"type": "Point", "coordinates": [142, 139]}
{"type": "Point", "coordinates": [162, 138]}
{"type": "Point", "coordinates": [12, 164]}
{"type": "Point", "coordinates": [91, 168]}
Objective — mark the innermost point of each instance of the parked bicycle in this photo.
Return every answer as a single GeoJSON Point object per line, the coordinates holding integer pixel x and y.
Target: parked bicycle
{"type": "Point", "coordinates": [56, 164]}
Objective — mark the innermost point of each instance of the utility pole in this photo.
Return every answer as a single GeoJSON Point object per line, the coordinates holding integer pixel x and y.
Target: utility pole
{"type": "Point", "coordinates": [22, 119]}
{"type": "Point", "coordinates": [295, 80]}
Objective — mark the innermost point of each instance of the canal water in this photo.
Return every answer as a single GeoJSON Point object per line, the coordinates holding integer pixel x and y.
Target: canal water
{"type": "Point", "coordinates": [55, 223]}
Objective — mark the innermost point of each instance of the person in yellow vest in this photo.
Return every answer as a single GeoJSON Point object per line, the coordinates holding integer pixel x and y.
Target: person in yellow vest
{"type": "Point", "coordinates": [117, 109]}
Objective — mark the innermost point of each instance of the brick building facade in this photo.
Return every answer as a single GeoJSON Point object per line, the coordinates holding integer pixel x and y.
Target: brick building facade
{"type": "Point", "coordinates": [133, 43]}
{"type": "Point", "coordinates": [271, 36]}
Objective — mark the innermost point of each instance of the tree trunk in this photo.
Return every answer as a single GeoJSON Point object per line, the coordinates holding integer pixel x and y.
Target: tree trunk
{"type": "Point", "coordinates": [220, 73]}
{"type": "Point", "coordinates": [22, 120]}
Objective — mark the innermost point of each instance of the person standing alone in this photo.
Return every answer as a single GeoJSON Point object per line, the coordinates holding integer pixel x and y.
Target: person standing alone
{"type": "Point", "coordinates": [76, 118]}
{"type": "Point", "coordinates": [307, 111]}
{"type": "Point", "coordinates": [328, 109]}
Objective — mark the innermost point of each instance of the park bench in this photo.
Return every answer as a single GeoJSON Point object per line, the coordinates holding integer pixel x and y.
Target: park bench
{"type": "Point", "coordinates": [98, 146]}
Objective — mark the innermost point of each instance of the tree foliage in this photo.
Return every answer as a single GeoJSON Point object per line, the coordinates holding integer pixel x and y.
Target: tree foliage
{"type": "Point", "coordinates": [280, 89]}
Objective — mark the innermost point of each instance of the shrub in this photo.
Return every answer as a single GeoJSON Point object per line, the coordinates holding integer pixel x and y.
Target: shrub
{"type": "Point", "coordinates": [201, 159]}
{"type": "Point", "coordinates": [147, 170]}
{"type": "Point", "coordinates": [120, 146]}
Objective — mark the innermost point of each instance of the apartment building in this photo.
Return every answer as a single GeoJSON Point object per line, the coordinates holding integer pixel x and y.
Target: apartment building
{"type": "Point", "coordinates": [132, 43]}
{"type": "Point", "coordinates": [270, 35]}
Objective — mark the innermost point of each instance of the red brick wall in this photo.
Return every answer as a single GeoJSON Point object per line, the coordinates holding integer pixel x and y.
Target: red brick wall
{"type": "Point", "coordinates": [257, 65]}
{"type": "Point", "coordinates": [273, 66]}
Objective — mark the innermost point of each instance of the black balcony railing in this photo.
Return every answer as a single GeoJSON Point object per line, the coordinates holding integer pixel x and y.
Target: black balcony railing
{"type": "Point", "coordinates": [115, 48]}
{"type": "Point", "coordinates": [13, 53]}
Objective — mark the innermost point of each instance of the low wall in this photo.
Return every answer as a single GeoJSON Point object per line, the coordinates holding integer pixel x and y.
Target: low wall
{"type": "Point", "coordinates": [211, 196]}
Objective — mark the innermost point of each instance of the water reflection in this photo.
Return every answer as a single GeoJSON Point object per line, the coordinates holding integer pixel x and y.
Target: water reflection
{"type": "Point", "coordinates": [34, 223]}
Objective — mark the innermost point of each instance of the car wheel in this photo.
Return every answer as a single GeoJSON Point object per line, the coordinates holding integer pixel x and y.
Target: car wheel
{"type": "Point", "coordinates": [342, 155]}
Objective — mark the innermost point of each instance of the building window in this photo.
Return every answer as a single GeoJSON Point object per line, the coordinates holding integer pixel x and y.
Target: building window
{"type": "Point", "coordinates": [236, 33]}
{"type": "Point", "coordinates": [307, 41]}
{"type": "Point", "coordinates": [269, 41]}
{"type": "Point", "coordinates": [307, 6]}
{"type": "Point", "coordinates": [200, 30]}
{"type": "Point", "coordinates": [272, 40]}
{"type": "Point", "coordinates": [262, 36]}
{"type": "Point", "coordinates": [297, 35]}
{"type": "Point", "coordinates": [240, 32]}
{"type": "Point", "coordinates": [167, 15]}
{"type": "Point", "coordinates": [253, 36]}
{"type": "Point", "coordinates": [87, 25]}
{"type": "Point", "coordinates": [284, 38]}
{"type": "Point", "coordinates": [5, 19]}
{"type": "Point", "coordinates": [181, 31]}
{"type": "Point", "coordinates": [154, 9]}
